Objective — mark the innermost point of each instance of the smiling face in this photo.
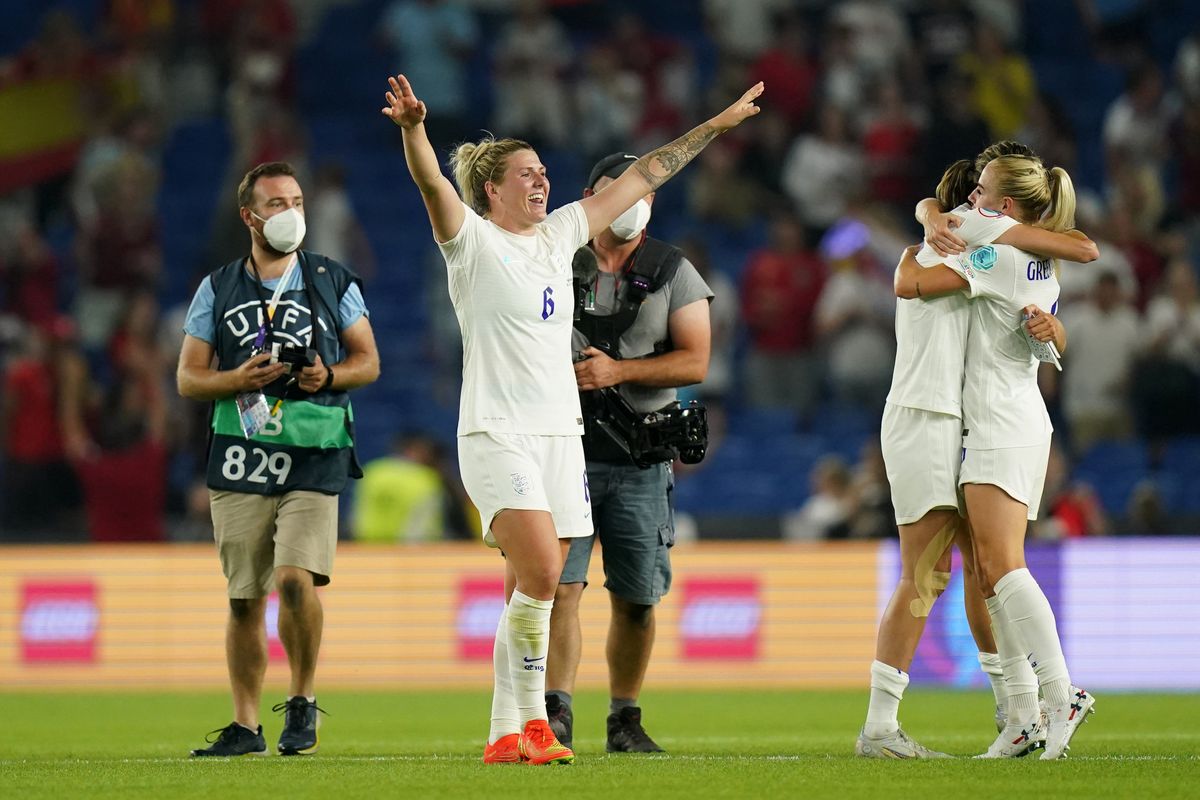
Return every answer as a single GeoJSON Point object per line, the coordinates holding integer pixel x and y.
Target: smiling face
{"type": "Point", "coordinates": [521, 195]}
{"type": "Point", "coordinates": [987, 194]}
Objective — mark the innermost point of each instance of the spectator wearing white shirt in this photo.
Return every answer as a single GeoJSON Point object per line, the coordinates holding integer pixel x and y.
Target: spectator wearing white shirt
{"type": "Point", "coordinates": [1105, 340]}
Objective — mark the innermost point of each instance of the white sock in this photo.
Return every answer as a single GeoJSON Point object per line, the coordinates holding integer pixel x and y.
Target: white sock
{"type": "Point", "coordinates": [505, 719]}
{"type": "Point", "coordinates": [887, 688]}
{"type": "Point", "coordinates": [1020, 684]}
{"type": "Point", "coordinates": [990, 664]}
{"type": "Point", "coordinates": [528, 643]}
{"type": "Point", "coordinates": [1029, 611]}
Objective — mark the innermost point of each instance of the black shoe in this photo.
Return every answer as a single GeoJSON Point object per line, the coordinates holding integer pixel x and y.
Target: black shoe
{"type": "Point", "coordinates": [233, 740]}
{"type": "Point", "coordinates": [626, 734]}
{"type": "Point", "coordinates": [561, 719]}
{"type": "Point", "coordinates": [300, 718]}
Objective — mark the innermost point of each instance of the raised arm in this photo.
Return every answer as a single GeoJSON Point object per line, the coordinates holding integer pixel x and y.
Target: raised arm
{"type": "Point", "coordinates": [656, 168]}
{"type": "Point", "coordinates": [1071, 245]}
{"type": "Point", "coordinates": [939, 228]}
{"type": "Point", "coordinates": [912, 280]}
{"type": "Point", "coordinates": [442, 203]}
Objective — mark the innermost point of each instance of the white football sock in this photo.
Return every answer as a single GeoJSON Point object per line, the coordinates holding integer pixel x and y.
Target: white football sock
{"type": "Point", "coordinates": [887, 688]}
{"type": "Point", "coordinates": [528, 643]}
{"type": "Point", "coordinates": [990, 664]}
{"type": "Point", "coordinates": [1020, 683]}
{"type": "Point", "coordinates": [505, 719]}
{"type": "Point", "coordinates": [1029, 611]}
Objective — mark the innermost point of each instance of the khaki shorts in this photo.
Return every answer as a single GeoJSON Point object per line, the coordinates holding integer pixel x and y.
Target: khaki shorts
{"type": "Point", "coordinates": [257, 533]}
{"type": "Point", "coordinates": [538, 473]}
{"type": "Point", "coordinates": [922, 451]}
{"type": "Point", "coordinates": [1019, 471]}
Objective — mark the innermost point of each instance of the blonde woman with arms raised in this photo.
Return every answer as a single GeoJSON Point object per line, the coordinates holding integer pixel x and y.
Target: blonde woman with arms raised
{"type": "Point", "coordinates": [1006, 438]}
{"type": "Point", "coordinates": [520, 425]}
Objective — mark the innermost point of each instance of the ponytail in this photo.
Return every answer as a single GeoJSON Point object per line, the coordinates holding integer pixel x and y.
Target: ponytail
{"type": "Point", "coordinates": [1045, 197]}
{"type": "Point", "coordinates": [1060, 215]}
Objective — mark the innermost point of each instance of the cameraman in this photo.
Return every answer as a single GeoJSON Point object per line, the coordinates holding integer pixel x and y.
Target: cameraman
{"type": "Point", "coordinates": [643, 302]}
{"type": "Point", "coordinates": [275, 341]}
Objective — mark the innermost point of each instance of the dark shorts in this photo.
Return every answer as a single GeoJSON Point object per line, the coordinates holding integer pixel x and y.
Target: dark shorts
{"type": "Point", "coordinates": [632, 515]}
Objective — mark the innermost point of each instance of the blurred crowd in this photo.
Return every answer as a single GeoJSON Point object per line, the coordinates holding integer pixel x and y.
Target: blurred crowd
{"type": "Point", "coordinates": [796, 220]}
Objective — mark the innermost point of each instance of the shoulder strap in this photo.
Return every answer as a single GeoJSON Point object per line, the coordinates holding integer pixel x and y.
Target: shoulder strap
{"type": "Point", "coordinates": [654, 265]}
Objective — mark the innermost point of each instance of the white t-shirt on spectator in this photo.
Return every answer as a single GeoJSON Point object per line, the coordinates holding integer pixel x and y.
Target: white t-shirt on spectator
{"type": "Point", "coordinates": [1103, 348]}
{"type": "Point", "coordinates": [1181, 326]}
{"type": "Point", "coordinates": [931, 335]}
{"type": "Point", "coordinates": [514, 301]}
{"type": "Point", "coordinates": [1002, 404]}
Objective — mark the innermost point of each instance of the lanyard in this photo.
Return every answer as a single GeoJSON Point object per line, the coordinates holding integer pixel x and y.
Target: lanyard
{"type": "Point", "coordinates": [269, 306]}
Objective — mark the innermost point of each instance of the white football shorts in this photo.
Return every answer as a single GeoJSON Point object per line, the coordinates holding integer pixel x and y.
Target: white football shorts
{"type": "Point", "coordinates": [1019, 471]}
{"type": "Point", "coordinates": [922, 451]}
{"type": "Point", "coordinates": [538, 473]}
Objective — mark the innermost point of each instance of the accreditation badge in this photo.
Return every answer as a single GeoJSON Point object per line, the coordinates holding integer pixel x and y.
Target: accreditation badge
{"type": "Point", "coordinates": [253, 412]}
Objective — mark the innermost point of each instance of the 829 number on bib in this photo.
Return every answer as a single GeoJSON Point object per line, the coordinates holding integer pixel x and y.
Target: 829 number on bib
{"type": "Point", "coordinates": [267, 465]}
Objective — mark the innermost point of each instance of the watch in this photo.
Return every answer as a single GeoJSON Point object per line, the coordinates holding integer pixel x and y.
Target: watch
{"type": "Point", "coordinates": [328, 384]}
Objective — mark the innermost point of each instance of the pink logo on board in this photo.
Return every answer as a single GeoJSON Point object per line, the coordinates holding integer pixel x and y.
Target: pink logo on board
{"type": "Point", "coordinates": [721, 619]}
{"type": "Point", "coordinates": [480, 602]}
{"type": "Point", "coordinates": [60, 621]}
{"type": "Point", "coordinates": [275, 651]}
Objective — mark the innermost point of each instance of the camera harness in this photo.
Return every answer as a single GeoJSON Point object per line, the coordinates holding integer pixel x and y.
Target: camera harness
{"type": "Point", "coordinates": [610, 421]}
{"type": "Point", "coordinates": [651, 266]}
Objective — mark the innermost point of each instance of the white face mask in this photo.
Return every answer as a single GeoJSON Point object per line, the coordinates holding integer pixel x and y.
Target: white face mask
{"type": "Point", "coordinates": [631, 223]}
{"type": "Point", "coordinates": [284, 231]}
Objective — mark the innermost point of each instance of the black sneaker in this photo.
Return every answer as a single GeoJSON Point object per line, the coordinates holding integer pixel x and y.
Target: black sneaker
{"type": "Point", "coordinates": [561, 719]}
{"type": "Point", "coordinates": [300, 722]}
{"type": "Point", "coordinates": [233, 740]}
{"type": "Point", "coordinates": [626, 734]}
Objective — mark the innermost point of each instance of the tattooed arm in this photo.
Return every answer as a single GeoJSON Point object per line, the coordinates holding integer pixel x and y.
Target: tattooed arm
{"type": "Point", "coordinates": [656, 168]}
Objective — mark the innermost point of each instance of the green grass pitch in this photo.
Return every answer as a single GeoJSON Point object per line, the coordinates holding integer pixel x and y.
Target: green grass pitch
{"type": "Point", "coordinates": [747, 744]}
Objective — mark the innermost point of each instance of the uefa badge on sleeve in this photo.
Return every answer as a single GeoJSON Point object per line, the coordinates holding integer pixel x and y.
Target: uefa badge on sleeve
{"type": "Point", "coordinates": [984, 258]}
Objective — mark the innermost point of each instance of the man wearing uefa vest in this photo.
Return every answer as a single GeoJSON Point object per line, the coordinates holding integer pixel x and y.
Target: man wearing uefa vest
{"type": "Point", "coordinates": [641, 330]}
{"type": "Point", "coordinates": [276, 341]}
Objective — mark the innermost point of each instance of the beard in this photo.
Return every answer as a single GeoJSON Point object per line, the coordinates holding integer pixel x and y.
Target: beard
{"type": "Point", "coordinates": [265, 245]}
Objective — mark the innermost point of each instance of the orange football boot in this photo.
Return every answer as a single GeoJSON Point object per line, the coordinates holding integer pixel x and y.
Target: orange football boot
{"type": "Point", "coordinates": [505, 750]}
{"type": "Point", "coordinates": [539, 745]}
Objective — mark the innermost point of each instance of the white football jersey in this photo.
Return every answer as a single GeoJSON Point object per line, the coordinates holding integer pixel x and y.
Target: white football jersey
{"type": "Point", "coordinates": [1002, 404]}
{"type": "Point", "coordinates": [514, 301]}
{"type": "Point", "coordinates": [931, 335]}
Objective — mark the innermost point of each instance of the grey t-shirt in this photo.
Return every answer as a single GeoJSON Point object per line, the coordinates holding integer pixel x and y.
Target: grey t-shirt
{"type": "Point", "coordinates": [650, 327]}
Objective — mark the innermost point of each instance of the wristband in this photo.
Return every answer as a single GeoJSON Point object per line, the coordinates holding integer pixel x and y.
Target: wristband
{"type": "Point", "coordinates": [328, 384]}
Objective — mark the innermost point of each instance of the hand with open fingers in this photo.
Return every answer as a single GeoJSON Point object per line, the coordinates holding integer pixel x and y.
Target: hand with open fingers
{"type": "Point", "coordinates": [257, 371]}
{"type": "Point", "coordinates": [939, 234]}
{"type": "Point", "coordinates": [740, 110]}
{"type": "Point", "coordinates": [403, 107]}
{"type": "Point", "coordinates": [311, 379]}
{"type": "Point", "coordinates": [597, 371]}
{"type": "Point", "coordinates": [1042, 326]}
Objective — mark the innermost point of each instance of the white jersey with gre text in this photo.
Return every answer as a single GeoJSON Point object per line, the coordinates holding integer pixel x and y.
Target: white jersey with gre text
{"type": "Point", "coordinates": [931, 335]}
{"type": "Point", "coordinates": [1002, 404]}
{"type": "Point", "coordinates": [514, 301]}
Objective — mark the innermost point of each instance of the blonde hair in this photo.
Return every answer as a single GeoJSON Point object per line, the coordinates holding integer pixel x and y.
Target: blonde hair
{"type": "Point", "coordinates": [476, 163]}
{"type": "Point", "coordinates": [1046, 195]}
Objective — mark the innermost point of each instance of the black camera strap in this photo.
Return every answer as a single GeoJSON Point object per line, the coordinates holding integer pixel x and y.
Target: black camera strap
{"type": "Point", "coordinates": [650, 267]}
